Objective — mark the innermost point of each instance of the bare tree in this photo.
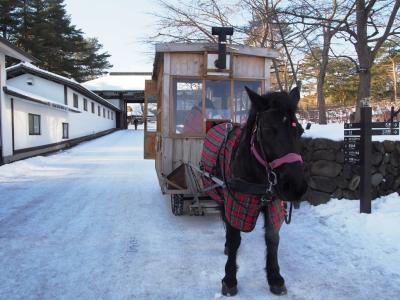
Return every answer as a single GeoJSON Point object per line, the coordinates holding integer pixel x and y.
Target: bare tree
{"type": "Point", "coordinates": [325, 19]}
{"type": "Point", "coordinates": [190, 21]}
{"type": "Point", "coordinates": [268, 28]}
{"type": "Point", "coordinates": [375, 21]}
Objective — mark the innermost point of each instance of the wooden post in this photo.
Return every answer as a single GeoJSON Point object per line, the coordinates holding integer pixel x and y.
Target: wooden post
{"type": "Point", "coordinates": [365, 160]}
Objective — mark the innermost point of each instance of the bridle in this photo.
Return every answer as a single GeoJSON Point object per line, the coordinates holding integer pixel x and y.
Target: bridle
{"type": "Point", "coordinates": [288, 158]}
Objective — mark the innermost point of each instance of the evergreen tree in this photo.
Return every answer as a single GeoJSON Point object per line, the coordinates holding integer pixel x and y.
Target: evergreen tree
{"type": "Point", "coordinates": [92, 63]}
{"type": "Point", "coordinates": [9, 18]}
{"type": "Point", "coordinates": [43, 29]}
{"type": "Point", "coordinates": [341, 82]}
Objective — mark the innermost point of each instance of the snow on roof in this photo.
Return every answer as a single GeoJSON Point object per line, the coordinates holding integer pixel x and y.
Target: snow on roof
{"type": "Point", "coordinates": [11, 50]}
{"type": "Point", "coordinates": [70, 82]}
{"type": "Point", "coordinates": [131, 82]}
{"type": "Point", "coordinates": [31, 66]}
{"type": "Point", "coordinates": [38, 99]}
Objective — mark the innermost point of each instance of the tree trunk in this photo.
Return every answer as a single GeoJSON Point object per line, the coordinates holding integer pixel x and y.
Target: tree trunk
{"type": "Point", "coordinates": [321, 77]}
{"type": "Point", "coordinates": [321, 97]}
{"type": "Point", "coordinates": [364, 56]}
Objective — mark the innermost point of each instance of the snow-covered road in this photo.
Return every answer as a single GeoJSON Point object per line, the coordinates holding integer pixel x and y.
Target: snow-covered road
{"type": "Point", "coordinates": [91, 223]}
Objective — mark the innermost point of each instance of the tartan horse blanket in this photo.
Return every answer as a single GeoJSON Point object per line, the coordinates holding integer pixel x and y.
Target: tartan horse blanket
{"type": "Point", "coordinates": [241, 210]}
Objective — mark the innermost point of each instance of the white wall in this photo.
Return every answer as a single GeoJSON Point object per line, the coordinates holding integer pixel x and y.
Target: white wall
{"type": "Point", "coordinates": [5, 113]}
{"type": "Point", "coordinates": [80, 124]}
{"type": "Point", "coordinates": [50, 124]}
{"type": "Point", "coordinates": [41, 87]}
{"type": "Point", "coordinates": [115, 102]}
{"type": "Point", "coordinates": [86, 122]}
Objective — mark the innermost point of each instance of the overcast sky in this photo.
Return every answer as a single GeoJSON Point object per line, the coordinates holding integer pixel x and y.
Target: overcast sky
{"type": "Point", "coordinates": [120, 25]}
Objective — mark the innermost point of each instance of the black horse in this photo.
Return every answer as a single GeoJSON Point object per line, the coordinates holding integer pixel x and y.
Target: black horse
{"type": "Point", "coordinates": [265, 161]}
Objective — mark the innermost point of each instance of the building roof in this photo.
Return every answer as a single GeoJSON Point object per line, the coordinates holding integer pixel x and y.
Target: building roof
{"type": "Point", "coordinates": [118, 81]}
{"type": "Point", "coordinates": [12, 91]}
{"type": "Point", "coordinates": [27, 68]}
{"type": "Point", "coordinates": [11, 50]}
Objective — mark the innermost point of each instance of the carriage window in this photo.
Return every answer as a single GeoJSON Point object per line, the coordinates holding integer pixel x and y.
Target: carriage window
{"type": "Point", "coordinates": [152, 114]}
{"type": "Point", "coordinates": [188, 114]}
{"type": "Point", "coordinates": [241, 99]}
{"type": "Point", "coordinates": [217, 99]}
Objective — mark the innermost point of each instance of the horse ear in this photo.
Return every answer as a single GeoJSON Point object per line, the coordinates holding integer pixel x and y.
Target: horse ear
{"type": "Point", "coordinates": [295, 95]}
{"type": "Point", "coordinates": [255, 98]}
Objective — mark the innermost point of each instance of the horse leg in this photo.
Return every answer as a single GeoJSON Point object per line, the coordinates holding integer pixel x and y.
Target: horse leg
{"type": "Point", "coordinates": [229, 282]}
{"type": "Point", "coordinates": [275, 280]}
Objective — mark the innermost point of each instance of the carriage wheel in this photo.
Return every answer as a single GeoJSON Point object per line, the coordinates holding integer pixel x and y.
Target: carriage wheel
{"type": "Point", "coordinates": [177, 205]}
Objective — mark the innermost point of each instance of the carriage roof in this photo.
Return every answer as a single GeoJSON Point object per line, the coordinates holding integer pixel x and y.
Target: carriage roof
{"type": "Point", "coordinates": [207, 47]}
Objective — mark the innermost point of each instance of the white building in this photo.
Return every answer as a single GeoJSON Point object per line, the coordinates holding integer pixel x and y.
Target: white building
{"type": "Point", "coordinates": [121, 89]}
{"type": "Point", "coordinates": [7, 49]}
{"type": "Point", "coordinates": [45, 112]}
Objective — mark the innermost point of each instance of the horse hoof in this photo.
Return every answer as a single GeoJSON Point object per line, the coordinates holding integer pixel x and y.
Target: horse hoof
{"type": "Point", "coordinates": [278, 290]}
{"type": "Point", "coordinates": [228, 291]}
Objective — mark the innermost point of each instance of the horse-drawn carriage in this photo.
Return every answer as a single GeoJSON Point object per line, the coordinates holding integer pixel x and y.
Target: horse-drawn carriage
{"type": "Point", "coordinates": [188, 94]}
{"type": "Point", "coordinates": [249, 166]}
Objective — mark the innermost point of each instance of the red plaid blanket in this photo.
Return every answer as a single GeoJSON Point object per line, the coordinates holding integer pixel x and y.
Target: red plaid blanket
{"type": "Point", "coordinates": [241, 210]}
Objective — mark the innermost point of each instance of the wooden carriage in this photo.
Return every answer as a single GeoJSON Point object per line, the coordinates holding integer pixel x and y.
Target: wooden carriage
{"type": "Point", "coordinates": [186, 94]}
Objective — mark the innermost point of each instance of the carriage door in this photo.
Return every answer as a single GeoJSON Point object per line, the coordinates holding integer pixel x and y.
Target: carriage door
{"type": "Point", "coordinates": [150, 119]}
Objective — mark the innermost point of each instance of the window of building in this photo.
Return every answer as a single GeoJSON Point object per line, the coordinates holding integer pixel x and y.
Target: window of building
{"type": "Point", "coordinates": [34, 124]}
{"type": "Point", "coordinates": [188, 114]}
{"type": "Point", "coordinates": [76, 100]}
{"type": "Point", "coordinates": [65, 130]}
{"type": "Point", "coordinates": [98, 110]}
{"type": "Point", "coordinates": [104, 112]}
{"type": "Point", "coordinates": [112, 115]}
{"type": "Point", "coordinates": [85, 104]}
{"type": "Point", "coordinates": [93, 109]}
{"type": "Point", "coordinates": [108, 114]}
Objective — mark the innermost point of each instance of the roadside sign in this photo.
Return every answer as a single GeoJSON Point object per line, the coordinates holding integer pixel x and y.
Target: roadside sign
{"type": "Point", "coordinates": [352, 125]}
{"type": "Point", "coordinates": [384, 131]}
{"type": "Point", "coordinates": [355, 146]}
{"type": "Point", "coordinates": [385, 124]}
{"type": "Point", "coordinates": [352, 160]}
{"type": "Point", "coordinates": [352, 153]}
{"type": "Point", "coordinates": [380, 128]}
{"type": "Point", "coordinates": [352, 132]}
{"type": "Point", "coordinates": [394, 124]}
{"type": "Point", "coordinates": [358, 149]}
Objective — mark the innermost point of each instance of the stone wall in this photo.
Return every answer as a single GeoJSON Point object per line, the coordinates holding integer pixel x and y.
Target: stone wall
{"type": "Point", "coordinates": [330, 177]}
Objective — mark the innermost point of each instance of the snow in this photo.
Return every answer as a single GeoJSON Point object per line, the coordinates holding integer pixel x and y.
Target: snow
{"type": "Point", "coordinates": [117, 83]}
{"type": "Point", "coordinates": [72, 81]}
{"type": "Point", "coordinates": [91, 223]}
{"type": "Point", "coordinates": [33, 67]}
{"type": "Point", "coordinates": [335, 131]}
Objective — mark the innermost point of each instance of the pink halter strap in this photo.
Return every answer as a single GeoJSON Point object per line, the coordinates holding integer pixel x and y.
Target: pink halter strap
{"type": "Point", "coordinates": [286, 159]}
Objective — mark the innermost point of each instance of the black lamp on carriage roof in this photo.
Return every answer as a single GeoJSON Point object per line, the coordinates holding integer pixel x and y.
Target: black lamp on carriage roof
{"type": "Point", "coordinates": [222, 32]}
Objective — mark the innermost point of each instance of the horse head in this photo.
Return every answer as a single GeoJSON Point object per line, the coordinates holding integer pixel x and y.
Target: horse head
{"type": "Point", "coordinates": [272, 137]}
